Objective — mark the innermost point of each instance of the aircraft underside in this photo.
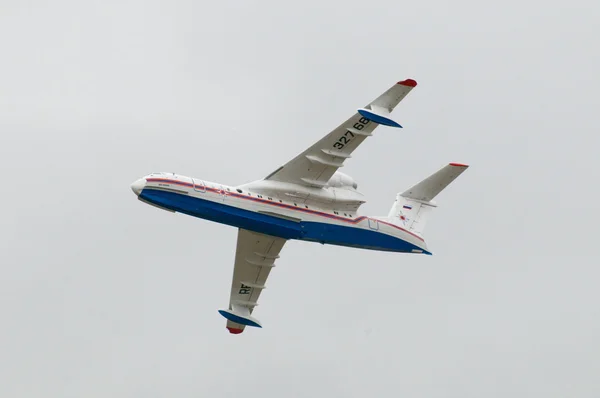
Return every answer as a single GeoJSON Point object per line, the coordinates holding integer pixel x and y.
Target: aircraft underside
{"type": "Point", "coordinates": [307, 198]}
{"type": "Point", "coordinates": [321, 232]}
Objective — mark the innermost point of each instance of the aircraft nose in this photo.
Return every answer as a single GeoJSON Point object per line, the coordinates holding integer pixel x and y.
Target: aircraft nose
{"type": "Point", "coordinates": [138, 185]}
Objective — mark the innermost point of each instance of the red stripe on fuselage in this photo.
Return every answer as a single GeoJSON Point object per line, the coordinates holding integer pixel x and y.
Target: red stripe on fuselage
{"type": "Point", "coordinates": [283, 205]}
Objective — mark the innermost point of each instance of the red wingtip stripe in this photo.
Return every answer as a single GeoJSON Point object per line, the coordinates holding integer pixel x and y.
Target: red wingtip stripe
{"type": "Point", "coordinates": [235, 330]}
{"type": "Point", "coordinates": [459, 165]}
{"type": "Point", "coordinates": [408, 83]}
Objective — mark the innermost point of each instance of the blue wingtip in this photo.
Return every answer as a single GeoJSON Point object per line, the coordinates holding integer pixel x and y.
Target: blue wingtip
{"type": "Point", "coordinates": [238, 319]}
{"type": "Point", "coordinates": [379, 119]}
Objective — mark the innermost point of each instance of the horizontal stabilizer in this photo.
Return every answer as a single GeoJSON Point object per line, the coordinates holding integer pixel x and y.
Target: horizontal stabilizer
{"type": "Point", "coordinates": [428, 189]}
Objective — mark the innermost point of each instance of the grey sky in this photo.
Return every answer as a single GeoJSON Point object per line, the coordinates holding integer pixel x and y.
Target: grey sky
{"type": "Point", "coordinates": [104, 296]}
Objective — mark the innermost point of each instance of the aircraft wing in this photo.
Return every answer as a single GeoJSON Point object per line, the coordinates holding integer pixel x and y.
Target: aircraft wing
{"type": "Point", "coordinates": [315, 166]}
{"type": "Point", "coordinates": [255, 256]}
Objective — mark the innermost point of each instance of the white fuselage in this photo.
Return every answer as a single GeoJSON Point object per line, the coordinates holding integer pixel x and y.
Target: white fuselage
{"type": "Point", "coordinates": [325, 215]}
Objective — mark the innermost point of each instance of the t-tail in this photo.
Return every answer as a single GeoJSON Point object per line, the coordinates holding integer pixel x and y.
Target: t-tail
{"type": "Point", "coordinates": [412, 207]}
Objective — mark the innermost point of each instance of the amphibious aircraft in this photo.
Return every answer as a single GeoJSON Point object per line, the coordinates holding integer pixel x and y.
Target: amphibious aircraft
{"type": "Point", "coordinates": [305, 199]}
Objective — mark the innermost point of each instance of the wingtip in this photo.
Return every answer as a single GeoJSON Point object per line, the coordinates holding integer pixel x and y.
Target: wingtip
{"type": "Point", "coordinates": [234, 330]}
{"type": "Point", "coordinates": [408, 83]}
{"type": "Point", "coordinates": [459, 164]}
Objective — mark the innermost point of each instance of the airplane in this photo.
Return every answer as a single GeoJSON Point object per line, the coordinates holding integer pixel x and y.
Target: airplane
{"type": "Point", "coordinates": [306, 199]}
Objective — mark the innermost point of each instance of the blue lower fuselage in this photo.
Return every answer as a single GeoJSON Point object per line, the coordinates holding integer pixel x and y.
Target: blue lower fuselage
{"type": "Point", "coordinates": [322, 232]}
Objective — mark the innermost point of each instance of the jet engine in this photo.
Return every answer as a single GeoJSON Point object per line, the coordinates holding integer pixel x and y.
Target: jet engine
{"type": "Point", "coordinates": [341, 180]}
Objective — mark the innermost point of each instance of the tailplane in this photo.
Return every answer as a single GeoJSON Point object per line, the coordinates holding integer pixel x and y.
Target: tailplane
{"type": "Point", "coordinates": [412, 207]}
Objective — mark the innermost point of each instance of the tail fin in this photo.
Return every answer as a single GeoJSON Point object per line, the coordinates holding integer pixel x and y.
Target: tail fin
{"type": "Point", "coordinates": [412, 207]}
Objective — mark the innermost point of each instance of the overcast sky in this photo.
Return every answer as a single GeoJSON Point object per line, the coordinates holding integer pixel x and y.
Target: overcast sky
{"type": "Point", "coordinates": [103, 296]}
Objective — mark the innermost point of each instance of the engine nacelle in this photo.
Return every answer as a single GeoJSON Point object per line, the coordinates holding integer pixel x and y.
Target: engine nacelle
{"type": "Point", "coordinates": [341, 180]}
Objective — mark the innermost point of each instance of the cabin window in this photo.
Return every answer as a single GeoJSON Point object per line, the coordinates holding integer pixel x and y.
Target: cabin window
{"type": "Point", "coordinates": [269, 198]}
{"type": "Point", "coordinates": [260, 196]}
{"type": "Point", "coordinates": [346, 214]}
{"type": "Point", "coordinates": [306, 206]}
{"type": "Point", "coordinates": [335, 212]}
{"type": "Point", "coordinates": [295, 204]}
{"type": "Point", "coordinates": [229, 189]}
{"type": "Point", "coordinates": [280, 201]}
{"type": "Point", "coordinates": [239, 190]}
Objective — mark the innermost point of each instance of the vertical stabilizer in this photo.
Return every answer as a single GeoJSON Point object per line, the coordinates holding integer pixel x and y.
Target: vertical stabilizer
{"type": "Point", "coordinates": [412, 207]}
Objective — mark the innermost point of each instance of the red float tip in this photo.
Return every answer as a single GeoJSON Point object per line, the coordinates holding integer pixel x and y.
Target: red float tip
{"type": "Point", "coordinates": [235, 330]}
{"type": "Point", "coordinates": [408, 83]}
{"type": "Point", "coordinates": [459, 165]}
